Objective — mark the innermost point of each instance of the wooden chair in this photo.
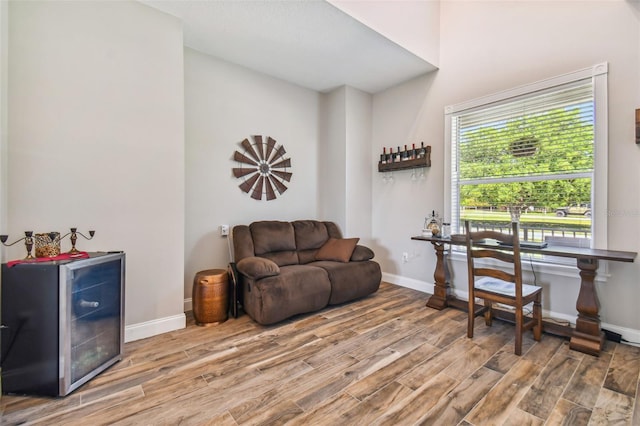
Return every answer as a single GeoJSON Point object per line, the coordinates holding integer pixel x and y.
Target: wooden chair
{"type": "Point", "coordinates": [497, 285]}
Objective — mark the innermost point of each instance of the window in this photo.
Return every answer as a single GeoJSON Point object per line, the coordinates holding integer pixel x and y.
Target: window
{"type": "Point", "coordinates": [536, 153]}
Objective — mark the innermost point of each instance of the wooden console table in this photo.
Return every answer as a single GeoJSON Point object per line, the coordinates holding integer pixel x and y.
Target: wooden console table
{"type": "Point", "coordinates": [586, 336]}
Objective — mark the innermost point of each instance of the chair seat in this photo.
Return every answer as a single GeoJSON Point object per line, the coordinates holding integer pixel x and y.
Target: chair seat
{"type": "Point", "coordinates": [496, 285]}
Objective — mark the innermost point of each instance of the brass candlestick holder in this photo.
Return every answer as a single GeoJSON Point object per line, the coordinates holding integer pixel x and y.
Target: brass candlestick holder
{"type": "Point", "coordinates": [74, 237]}
{"type": "Point", "coordinates": [28, 242]}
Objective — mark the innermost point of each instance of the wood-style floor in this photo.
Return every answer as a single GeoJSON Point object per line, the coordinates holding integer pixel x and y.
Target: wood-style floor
{"type": "Point", "coordinates": [386, 359]}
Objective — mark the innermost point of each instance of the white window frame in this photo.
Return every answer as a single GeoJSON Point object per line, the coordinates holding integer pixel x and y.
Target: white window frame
{"type": "Point", "coordinates": [598, 73]}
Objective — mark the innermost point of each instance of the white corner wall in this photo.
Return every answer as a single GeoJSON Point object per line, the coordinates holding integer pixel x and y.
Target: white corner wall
{"type": "Point", "coordinates": [226, 103]}
{"type": "Point", "coordinates": [359, 168]}
{"type": "Point", "coordinates": [487, 47]}
{"type": "Point", "coordinates": [4, 65]}
{"type": "Point", "coordinates": [332, 158]}
{"type": "Point", "coordinates": [412, 24]}
{"type": "Point", "coordinates": [345, 168]}
{"type": "Point", "coordinates": [96, 141]}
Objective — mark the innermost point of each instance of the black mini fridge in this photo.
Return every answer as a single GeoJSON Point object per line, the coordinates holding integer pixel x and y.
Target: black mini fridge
{"type": "Point", "coordinates": [62, 323]}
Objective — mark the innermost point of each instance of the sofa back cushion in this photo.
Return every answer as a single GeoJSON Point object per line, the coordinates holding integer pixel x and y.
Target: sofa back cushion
{"type": "Point", "coordinates": [242, 242]}
{"type": "Point", "coordinates": [276, 241]}
{"type": "Point", "coordinates": [285, 243]}
{"type": "Point", "coordinates": [333, 230]}
{"type": "Point", "coordinates": [310, 236]}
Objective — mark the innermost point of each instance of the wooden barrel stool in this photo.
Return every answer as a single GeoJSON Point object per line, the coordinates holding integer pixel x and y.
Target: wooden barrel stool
{"type": "Point", "coordinates": [210, 297]}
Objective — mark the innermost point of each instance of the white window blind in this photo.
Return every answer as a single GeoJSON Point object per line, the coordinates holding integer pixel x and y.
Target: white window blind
{"type": "Point", "coordinates": [533, 154]}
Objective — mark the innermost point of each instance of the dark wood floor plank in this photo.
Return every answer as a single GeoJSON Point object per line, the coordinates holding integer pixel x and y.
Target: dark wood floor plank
{"type": "Point", "coordinates": [612, 408]}
{"type": "Point", "coordinates": [500, 401]}
{"type": "Point", "coordinates": [385, 375]}
{"type": "Point", "coordinates": [17, 409]}
{"type": "Point", "coordinates": [280, 413]}
{"type": "Point", "coordinates": [410, 409]}
{"type": "Point", "coordinates": [222, 419]}
{"type": "Point", "coordinates": [400, 307]}
{"type": "Point", "coordinates": [541, 352]}
{"type": "Point", "coordinates": [402, 339]}
{"type": "Point", "coordinates": [444, 337]}
{"type": "Point", "coordinates": [433, 365]}
{"type": "Point", "coordinates": [624, 370]}
{"type": "Point", "coordinates": [375, 405]}
{"type": "Point", "coordinates": [452, 407]}
{"type": "Point", "coordinates": [356, 372]}
{"type": "Point", "coordinates": [549, 386]}
{"type": "Point", "coordinates": [95, 408]}
{"type": "Point", "coordinates": [289, 388]}
{"type": "Point", "coordinates": [585, 384]}
{"type": "Point", "coordinates": [522, 418]}
{"type": "Point", "coordinates": [503, 360]}
{"type": "Point", "coordinates": [636, 410]}
{"type": "Point", "coordinates": [486, 343]}
{"type": "Point", "coordinates": [215, 399]}
{"type": "Point", "coordinates": [409, 342]}
{"type": "Point", "coordinates": [343, 346]}
{"type": "Point", "coordinates": [569, 413]}
{"type": "Point", "coordinates": [327, 412]}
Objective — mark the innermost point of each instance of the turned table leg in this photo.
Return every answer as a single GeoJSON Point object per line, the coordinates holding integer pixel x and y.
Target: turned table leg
{"type": "Point", "coordinates": [441, 278]}
{"type": "Point", "coordinates": [587, 336]}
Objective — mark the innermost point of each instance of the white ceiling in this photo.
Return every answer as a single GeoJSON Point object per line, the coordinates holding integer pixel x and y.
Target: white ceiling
{"type": "Point", "coordinates": [310, 43]}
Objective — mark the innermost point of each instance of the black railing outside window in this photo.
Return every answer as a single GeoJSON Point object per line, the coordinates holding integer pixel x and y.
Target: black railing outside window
{"type": "Point", "coordinates": [536, 233]}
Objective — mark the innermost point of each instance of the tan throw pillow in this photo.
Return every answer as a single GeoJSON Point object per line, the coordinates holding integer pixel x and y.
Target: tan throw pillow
{"type": "Point", "coordinates": [339, 250]}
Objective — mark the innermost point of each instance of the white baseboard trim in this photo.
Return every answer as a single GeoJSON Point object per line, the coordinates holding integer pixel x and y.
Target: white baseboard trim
{"type": "Point", "coordinates": [188, 304]}
{"type": "Point", "coordinates": [631, 335]}
{"type": "Point", "coordinates": [419, 285]}
{"type": "Point", "coordinates": [151, 328]}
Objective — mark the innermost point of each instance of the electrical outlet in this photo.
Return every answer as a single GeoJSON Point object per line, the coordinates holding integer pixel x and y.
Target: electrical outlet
{"type": "Point", "coordinates": [224, 230]}
{"type": "Point", "coordinates": [405, 257]}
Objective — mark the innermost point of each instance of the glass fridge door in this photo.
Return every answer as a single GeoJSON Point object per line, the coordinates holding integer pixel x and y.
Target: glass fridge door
{"type": "Point", "coordinates": [91, 331]}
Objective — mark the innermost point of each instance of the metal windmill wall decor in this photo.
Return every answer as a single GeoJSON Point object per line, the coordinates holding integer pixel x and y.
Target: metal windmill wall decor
{"type": "Point", "coordinates": [262, 167]}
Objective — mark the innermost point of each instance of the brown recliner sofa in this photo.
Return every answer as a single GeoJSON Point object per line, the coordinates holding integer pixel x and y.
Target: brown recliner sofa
{"type": "Point", "coordinates": [290, 268]}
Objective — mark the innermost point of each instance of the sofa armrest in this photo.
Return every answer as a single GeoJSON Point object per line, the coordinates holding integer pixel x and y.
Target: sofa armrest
{"type": "Point", "coordinates": [361, 253]}
{"type": "Point", "coordinates": [257, 267]}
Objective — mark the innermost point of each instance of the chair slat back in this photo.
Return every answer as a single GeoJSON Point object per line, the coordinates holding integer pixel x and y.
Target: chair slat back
{"type": "Point", "coordinates": [510, 258]}
{"type": "Point", "coordinates": [494, 273]}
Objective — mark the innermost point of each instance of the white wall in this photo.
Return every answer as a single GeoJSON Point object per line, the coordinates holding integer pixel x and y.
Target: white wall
{"type": "Point", "coordinates": [226, 103]}
{"type": "Point", "coordinates": [344, 186]}
{"type": "Point", "coordinates": [413, 24]}
{"type": "Point", "coordinates": [399, 207]}
{"type": "Point", "coordinates": [491, 46]}
{"type": "Point", "coordinates": [4, 65]}
{"type": "Point", "coordinates": [332, 157]}
{"type": "Point", "coordinates": [96, 140]}
{"type": "Point", "coordinates": [359, 169]}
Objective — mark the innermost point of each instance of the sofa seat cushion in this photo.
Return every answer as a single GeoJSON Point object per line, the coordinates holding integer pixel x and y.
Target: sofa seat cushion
{"type": "Point", "coordinates": [351, 280]}
{"type": "Point", "coordinates": [296, 290]}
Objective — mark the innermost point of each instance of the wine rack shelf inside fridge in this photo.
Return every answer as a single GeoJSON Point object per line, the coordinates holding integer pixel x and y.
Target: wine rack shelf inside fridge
{"type": "Point", "coordinates": [62, 323]}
